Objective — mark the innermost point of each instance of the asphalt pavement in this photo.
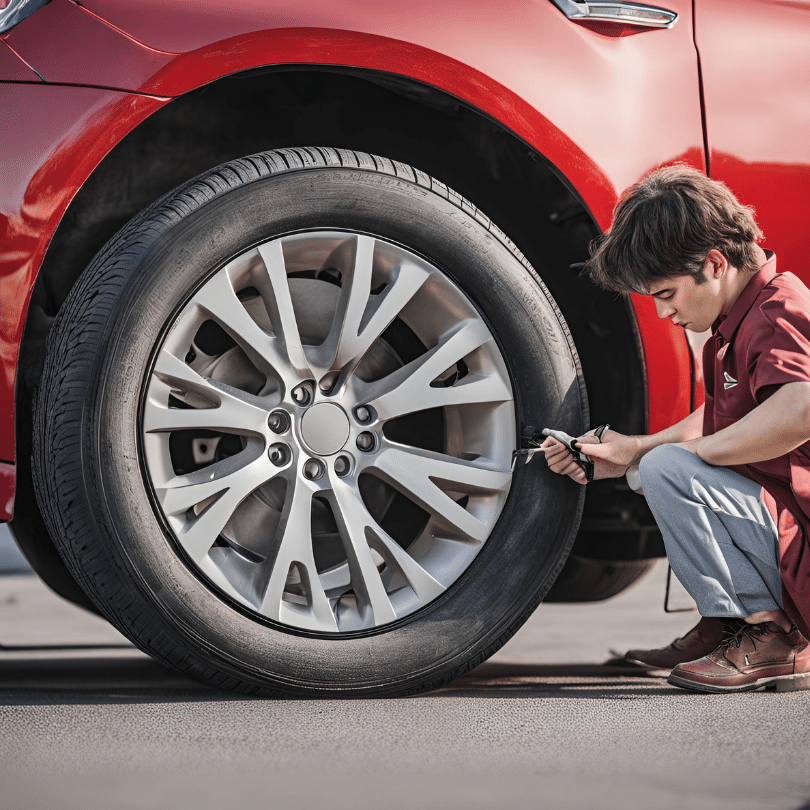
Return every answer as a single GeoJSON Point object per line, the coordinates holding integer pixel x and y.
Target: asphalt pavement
{"type": "Point", "coordinates": [551, 721]}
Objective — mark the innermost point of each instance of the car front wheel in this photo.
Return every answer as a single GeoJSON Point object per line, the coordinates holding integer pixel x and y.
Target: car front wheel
{"type": "Point", "coordinates": [275, 428]}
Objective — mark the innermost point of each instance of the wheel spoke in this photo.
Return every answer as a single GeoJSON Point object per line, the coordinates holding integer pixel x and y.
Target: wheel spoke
{"type": "Point", "coordinates": [352, 519]}
{"type": "Point", "coordinates": [234, 411]}
{"type": "Point", "coordinates": [200, 534]}
{"type": "Point", "coordinates": [266, 350]}
{"type": "Point", "coordinates": [241, 473]}
{"type": "Point", "coordinates": [392, 301]}
{"type": "Point", "coordinates": [274, 288]}
{"type": "Point", "coordinates": [356, 524]}
{"type": "Point", "coordinates": [293, 545]}
{"type": "Point", "coordinates": [348, 340]}
{"type": "Point", "coordinates": [424, 585]}
{"type": "Point", "coordinates": [475, 388]}
{"type": "Point", "coordinates": [417, 473]}
{"type": "Point", "coordinates": [232, 482]}
{"type": "Point", "coordinates": [408, 389]}
{"type": "Point", "coordinates": [354, 294]}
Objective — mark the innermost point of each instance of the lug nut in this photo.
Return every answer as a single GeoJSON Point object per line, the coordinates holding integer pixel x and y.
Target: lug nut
{"type": "Point", "coordinates": [279, 454]}
{"type": "Point", "coordinates": [328, 382]}
{"type": "Point", "coordinates": [342, 465]}
{"type": "Point", "coordinates": [365, 441]}
{"type": "Point", "coordinates": [278, 422]}
{"type": "Point", "coordinates": [313, 469]}
{"type": "Point", "coordinates": [363, 414]}
{"type": "Point", "coordinates": [301, 394]}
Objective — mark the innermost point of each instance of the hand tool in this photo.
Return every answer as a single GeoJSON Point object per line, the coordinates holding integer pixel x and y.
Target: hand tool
{"type": "Point", "coordinates": [531, 435]}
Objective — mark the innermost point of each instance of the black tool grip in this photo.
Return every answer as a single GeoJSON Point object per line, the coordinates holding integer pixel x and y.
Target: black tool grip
{"type": "Point", "coordinates": [571, 443]}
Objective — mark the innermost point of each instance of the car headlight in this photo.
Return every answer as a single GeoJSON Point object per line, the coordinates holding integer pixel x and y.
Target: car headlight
{"type": "Point", "coordinates": [15, 11]}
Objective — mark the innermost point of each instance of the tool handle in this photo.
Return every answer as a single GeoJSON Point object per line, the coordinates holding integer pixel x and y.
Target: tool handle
{"type": "Point", "coordinates": [571, 443]}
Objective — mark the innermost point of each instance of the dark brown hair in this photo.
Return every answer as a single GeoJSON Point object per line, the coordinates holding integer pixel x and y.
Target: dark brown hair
{"type": "Point", "coordinates": [665, 225]}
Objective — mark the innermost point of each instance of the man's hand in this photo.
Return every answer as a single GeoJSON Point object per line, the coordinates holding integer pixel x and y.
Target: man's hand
{"type": "Point", "coordinates": [617, 452]}
{"type": "Point", "coordinates": [611, 457]}
{"type": "Point", "coordinates": [560, 460]}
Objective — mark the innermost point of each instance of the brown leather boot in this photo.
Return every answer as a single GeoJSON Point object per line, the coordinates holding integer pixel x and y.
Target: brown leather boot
{"type": "Point", "coordinates": [754, 657]}
{"type": "Point", "coordinates": [702, 639]}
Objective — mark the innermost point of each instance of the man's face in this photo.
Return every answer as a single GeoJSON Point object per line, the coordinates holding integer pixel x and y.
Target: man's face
{"type": "Point", "coordinates": [686, 303]}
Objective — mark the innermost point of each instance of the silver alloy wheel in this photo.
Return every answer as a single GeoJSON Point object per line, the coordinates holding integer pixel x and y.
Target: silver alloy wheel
{"type": "Point", "coordinates": [328, 429]}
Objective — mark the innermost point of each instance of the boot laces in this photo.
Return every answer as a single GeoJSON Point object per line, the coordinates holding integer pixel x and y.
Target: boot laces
{"type": "Point", "coordinates": [735, 632]}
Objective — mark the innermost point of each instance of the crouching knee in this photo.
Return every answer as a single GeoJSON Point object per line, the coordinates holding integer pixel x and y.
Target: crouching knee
{"type": "Point", "coordinates": [660, 464]}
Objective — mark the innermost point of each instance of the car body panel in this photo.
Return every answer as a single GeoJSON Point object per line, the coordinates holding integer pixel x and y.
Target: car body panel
{"type": "Point", "coordinates": [62, 35]}
{"type": "Point", "coordinates": [68, 131]}
{"type": "Point", "coordinates": [12, 68]}
{"type": "Point", "coordinates": [603, 105]}
{"type": "Point", "coordinates": [755, 63]}
{"type": "Point", "coordinates": [599, 113]}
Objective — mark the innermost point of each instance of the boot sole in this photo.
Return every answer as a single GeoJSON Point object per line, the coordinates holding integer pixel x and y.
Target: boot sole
{"type": "Point", "coordinates": [781, 683]}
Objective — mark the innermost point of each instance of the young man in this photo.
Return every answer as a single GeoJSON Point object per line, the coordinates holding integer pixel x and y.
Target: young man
{"type": "Point", "coordinates": [729, 485]}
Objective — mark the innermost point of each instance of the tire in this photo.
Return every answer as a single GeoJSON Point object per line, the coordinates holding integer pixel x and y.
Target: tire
{"type": "Point", "coordinates": [585, 579]}
{"type": "Point", "coordinates": [430, 551]}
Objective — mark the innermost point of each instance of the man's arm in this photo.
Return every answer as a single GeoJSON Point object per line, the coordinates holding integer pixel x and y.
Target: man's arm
{"type": "Point", "coordinates": [686, 430]}
{"type": "Point", "coordinates": [777, 426]}
{"type": "Point", "coordinates": [617, 452]}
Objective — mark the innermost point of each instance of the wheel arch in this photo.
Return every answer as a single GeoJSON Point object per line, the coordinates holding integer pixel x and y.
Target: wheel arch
{"type": "Point", "coordinates": [400, 118]}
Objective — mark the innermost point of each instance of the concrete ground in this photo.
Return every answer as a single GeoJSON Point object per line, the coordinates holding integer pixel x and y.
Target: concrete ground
{"type": "Point", "coordinates": [88, 721]}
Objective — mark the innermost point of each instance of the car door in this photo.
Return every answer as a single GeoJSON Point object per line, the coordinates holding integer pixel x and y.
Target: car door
{"type": "Point", "coordinates": [755, 63]}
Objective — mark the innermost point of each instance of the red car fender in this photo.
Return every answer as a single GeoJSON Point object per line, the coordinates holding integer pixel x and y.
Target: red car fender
{"type": "Point", "coordinates": [532, 70]}
{"type": "Point", "coordinates": [67, 132]}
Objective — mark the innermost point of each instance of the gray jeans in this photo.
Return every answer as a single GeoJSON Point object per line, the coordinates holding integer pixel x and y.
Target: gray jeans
{"type": "Point", "coordinates": [720, 539]}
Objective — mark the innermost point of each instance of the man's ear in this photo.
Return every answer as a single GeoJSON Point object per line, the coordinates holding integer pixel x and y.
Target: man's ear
{"type": "Point", "coordinates": [717, 264]}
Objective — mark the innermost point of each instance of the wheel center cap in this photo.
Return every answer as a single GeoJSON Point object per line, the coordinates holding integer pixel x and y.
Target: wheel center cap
{"type": "Point", "coordinates": [325, 428]}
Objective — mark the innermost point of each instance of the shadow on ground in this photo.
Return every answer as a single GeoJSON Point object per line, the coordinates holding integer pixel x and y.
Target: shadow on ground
{"type": "Point", "coordinates": [68, 675]}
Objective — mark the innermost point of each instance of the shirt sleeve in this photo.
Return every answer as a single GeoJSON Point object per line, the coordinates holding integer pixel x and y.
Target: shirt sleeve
{"type": "Point", "coordinates": [779, 349]}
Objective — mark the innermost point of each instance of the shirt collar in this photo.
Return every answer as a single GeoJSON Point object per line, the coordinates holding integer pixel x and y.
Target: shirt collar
{"type": "Point", "coordinates": [745, 300]}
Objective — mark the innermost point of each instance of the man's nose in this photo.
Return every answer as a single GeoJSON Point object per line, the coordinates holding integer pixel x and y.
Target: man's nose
{"type": "Point", "coordinates": [663, 309]}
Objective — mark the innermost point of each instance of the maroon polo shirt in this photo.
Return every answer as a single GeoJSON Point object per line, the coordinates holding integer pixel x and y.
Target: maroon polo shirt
{"type": "Point", "coordinates": [762, 343]}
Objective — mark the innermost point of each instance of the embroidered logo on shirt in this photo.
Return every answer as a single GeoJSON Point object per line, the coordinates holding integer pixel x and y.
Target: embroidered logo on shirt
{"type": "Point", "coordinates": [730, 381]}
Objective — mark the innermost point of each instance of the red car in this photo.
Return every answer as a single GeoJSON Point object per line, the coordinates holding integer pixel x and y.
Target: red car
{"type": "Point", "coordinates": [285, 285]}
